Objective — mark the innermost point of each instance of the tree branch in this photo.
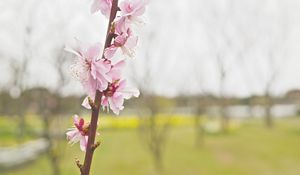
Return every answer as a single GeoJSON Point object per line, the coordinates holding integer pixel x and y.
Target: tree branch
{"type": "Point", "coordinates": [95, 110]}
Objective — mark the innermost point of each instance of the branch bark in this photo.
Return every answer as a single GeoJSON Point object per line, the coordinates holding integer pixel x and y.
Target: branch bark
{"type": "Point", "coordinates": [95, 109]}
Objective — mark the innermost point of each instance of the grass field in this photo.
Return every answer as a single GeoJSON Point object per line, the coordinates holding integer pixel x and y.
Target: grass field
{"type": "Point", "coordinates": [252, 149]}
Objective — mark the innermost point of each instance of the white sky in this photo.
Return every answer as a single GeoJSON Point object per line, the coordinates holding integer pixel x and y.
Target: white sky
{"type": "Point", "coordinates": [182, 39]}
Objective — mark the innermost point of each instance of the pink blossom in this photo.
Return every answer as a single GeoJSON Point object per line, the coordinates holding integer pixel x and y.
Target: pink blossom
{"type": "Point", "coordinates": [103, 5]}
{"type": "Point", "coordinates": [122, 24]}
{"type": "Point", "coordinates": [110, 51]}
{"type": "Point", "coordinates": [85, 103]}
{"type": "Point", "coordinates": [126, 41]}
{"type": "Point", "coordinates": [115, 94]}
{"type": "Point", "coordinates": [90, 70]}
{"type": "Point", "coordinates": [116, 70]}
{"type": "Point", "coordinates": [114, 73]}
{"type": "Point", "coordinates": [79, 133]}
{"type": "Point", "coordinates": [131, 10]}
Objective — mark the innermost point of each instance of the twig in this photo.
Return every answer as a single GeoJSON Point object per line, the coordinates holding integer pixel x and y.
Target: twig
{"type": "Point", "coordinates": [91, 146]}
{"type": "Point", "coordinates": [79, 165]}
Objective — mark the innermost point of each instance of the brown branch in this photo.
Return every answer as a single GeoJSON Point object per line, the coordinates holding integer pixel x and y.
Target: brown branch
{"type": "Point", "coordinates": [95, 109]}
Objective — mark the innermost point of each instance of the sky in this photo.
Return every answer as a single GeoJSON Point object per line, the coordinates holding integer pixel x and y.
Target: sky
{"type": "Point", "coordinates": [183, 45]}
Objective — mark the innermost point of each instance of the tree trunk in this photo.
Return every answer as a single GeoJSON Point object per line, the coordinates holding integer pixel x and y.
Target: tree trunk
{"type": "Point", "coordinates": [224, 118]}
{"type": "Point", "coordinates": [158, 159]}
{"type": "Point", "coordinates": [268, 117]}
{"type": "Point", "coordinates": [52, 156]}
{"type": "Point", "coordinates": [268, 112]}
{"type": "Point", "coordinates": [21, 132]}
{"type": "Point", "coordinates": [200, 133]}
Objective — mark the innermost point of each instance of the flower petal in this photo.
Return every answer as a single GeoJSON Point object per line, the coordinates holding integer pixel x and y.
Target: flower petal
{"type": "Point", "coordinates": [110, 52]}
{"type": "Point", "coordinates": [131, 42]}
{"type": "Point", "coordinates": [83, 143]}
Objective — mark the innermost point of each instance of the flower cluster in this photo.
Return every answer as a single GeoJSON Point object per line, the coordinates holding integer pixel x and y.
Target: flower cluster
{"type": "Point", "coordinates": [79, 133]}
{"type": "Point", "coordinates": [94, 66]}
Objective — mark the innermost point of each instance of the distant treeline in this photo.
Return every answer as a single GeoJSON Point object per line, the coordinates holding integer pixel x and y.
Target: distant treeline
{"type": "Point", "coordinates": [37, 100]}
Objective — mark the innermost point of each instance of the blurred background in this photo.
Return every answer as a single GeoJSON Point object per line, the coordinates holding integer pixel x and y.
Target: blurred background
{"type": "Point", "coordinates": [219, 81]}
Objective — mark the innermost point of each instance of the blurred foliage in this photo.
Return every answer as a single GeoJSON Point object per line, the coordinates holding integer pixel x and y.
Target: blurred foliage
{"type": "Point", "coordinates": [36, 100]}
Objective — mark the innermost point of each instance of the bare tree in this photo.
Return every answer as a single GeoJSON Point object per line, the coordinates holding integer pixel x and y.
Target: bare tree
{"type": "Point", "coordinates": [201, 103]}
{"type": "Point", "coordinates": [274, 50]}
{"type": "Point", "coordinates": [52, 106]}
{"type": "Point", "coordinates": [19, 73]}
{"type": "Point", "coordinates": [152, 132]}
{"type": "Point", "coordinates": [221, 42]}
{"type": "Point", "coordinates": [232, 40]}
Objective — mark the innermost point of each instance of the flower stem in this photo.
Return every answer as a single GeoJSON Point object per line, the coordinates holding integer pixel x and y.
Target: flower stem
{"type": "Point", "coordinates": [97, 103]}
